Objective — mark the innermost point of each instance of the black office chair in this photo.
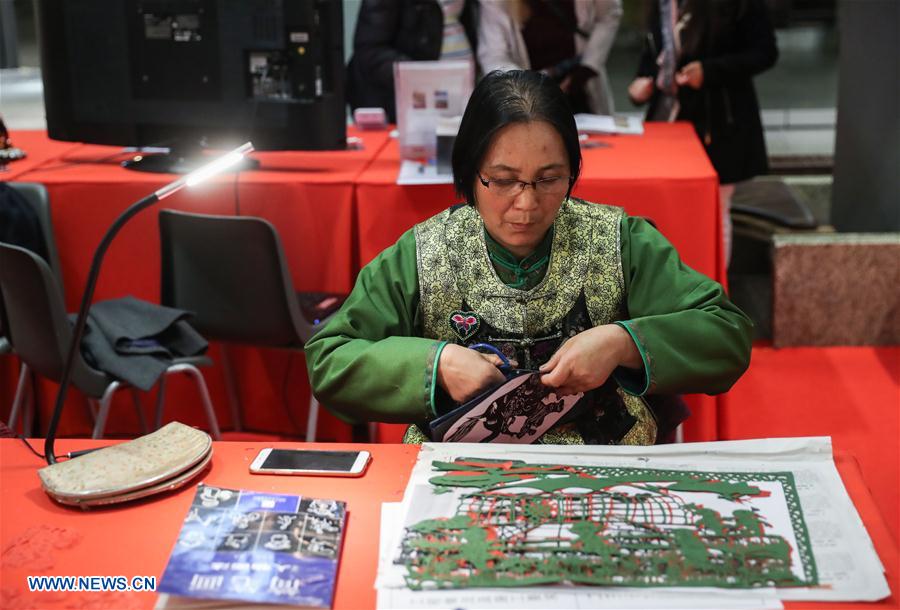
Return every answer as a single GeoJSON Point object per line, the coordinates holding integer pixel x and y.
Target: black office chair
{"type": "Point", "coordinates": [23, 388]}
{"type": "Point", "coordinates": [230, 271]}
{"type": "Point", "coordinates": [40, 333]}
{"type": "Point", "coordinates": [35, 194]}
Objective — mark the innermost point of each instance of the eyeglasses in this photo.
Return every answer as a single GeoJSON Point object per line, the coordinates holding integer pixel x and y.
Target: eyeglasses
{"type": "Point", "coordinates": [507, 187]}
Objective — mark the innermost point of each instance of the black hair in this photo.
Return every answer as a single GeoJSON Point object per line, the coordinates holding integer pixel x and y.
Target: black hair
{"type": "Point", "coordinates": [503, 98]}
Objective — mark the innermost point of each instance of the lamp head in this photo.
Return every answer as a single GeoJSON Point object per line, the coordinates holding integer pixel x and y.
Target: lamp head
{"type": "Point", "coordinates": [206, 171]}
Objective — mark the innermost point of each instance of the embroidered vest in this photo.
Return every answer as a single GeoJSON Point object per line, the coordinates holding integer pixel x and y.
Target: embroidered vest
{"type": "Point", "coordinates": [583, 287]}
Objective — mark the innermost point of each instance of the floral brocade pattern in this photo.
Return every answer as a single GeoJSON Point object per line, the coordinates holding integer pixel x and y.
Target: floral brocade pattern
{"type": "Point", "coordinates": [455, 273]}
{"type": "Point", "coordinates": [454, 268]}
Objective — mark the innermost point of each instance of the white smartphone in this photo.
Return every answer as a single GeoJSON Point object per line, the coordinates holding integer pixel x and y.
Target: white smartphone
{"type": "Point", "coordinates": [309, 462]}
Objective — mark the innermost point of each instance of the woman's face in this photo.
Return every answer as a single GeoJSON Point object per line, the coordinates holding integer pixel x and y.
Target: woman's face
{"type": "Point", "coordinates": [518, 219]}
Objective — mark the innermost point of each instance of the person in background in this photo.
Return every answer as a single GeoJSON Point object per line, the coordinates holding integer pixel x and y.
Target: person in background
{"type": "Point", "coordinates": [595, 299]}
{"type": "Point", "coordinates": [569, 40]}
{"type": "Point", "coordinates": [698, 66]}
{"type": "Point", "coordinates": [388, 31]}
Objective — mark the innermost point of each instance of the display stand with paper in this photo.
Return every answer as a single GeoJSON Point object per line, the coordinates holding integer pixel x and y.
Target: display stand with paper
{"type": "Point", "coordinates": [426, 92]}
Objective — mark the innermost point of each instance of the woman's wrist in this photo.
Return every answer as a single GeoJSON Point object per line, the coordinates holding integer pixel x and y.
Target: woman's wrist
{"type": "Point", "coordinates": [629, 355]}
{"type": "Point", "coordinates": [445, 363]}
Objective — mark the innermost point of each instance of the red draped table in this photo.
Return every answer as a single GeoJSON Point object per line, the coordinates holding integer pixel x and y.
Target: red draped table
{"type": "Point", "coordinates": [849, 393]}
{"type": "Point", "coordinates": [307, 196]}
{"type": "Point", "coordinates": [39, 152]}
{"type": "Point", "coordinates": [334, 211]}
{"type": "Point", "coordinates": [40, 537]}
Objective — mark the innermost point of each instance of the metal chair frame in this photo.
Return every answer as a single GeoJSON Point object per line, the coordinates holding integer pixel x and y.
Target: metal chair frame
{"type": "Point", "coordinates": [40, 332]}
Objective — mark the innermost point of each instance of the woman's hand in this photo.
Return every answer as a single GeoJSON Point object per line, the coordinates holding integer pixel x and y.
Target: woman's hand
{"type": "Point", "coordinates": [690, 75]}
{"type": "Point", "coordinates": [585, 361]}
{"type": "Point", "coordinates": [641, 89]}
{"type": "Point", "coordinates": [463, 372]}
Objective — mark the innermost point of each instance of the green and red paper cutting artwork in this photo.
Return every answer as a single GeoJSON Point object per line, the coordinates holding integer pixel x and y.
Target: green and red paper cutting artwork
{"type": "Point", "coordinates": [518, 524]}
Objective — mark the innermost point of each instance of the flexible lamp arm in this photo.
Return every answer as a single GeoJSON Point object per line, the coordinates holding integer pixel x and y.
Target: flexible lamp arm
{"type": "Point", "coordinates": [201, 174]}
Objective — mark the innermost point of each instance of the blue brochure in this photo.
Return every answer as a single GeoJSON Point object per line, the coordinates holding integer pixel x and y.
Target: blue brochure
{"type": "Point", "coordinates": [257, 547]}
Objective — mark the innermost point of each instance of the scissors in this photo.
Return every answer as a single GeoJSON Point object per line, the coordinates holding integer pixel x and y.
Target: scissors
{"type": "Point", "coordinates": [506, 367]}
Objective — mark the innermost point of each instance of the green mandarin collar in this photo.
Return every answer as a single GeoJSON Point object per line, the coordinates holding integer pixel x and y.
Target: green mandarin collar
{"type": "Point", "coordinates": [526, 273]}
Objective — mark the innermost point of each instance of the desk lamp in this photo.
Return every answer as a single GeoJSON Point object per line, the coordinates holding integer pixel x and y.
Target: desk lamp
{"type": "Point", "coordinates": [196, 177]}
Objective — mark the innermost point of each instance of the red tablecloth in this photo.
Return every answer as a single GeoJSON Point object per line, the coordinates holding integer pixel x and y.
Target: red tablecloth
{"type": "Point", "coordinates": [136, 539]}
{"type": "Point", "coordinates": [334, 211]}
{"type": "Point", "coordinates": [38, 149]}
{"type": "Point", "coordinates": [849, 393]}
{"type": "Point", "coordinates": [307, 196]}
{"type": "Point", "coordinates": [664, 175]}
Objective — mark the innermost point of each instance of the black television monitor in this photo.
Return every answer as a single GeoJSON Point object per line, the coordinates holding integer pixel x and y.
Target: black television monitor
{"type": "Point", "coordinates": [187, 74]}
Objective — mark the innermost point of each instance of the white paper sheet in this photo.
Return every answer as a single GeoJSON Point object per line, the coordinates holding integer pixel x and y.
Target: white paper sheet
{"type": "Point", "coordinates": [848, 567]}
{"type": "Point", "coordinates": [609, 125]}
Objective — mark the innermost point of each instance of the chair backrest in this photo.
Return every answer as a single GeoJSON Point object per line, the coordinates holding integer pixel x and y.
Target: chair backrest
{"type": "Point", "coordinates": [39, 329]}
{"type": "Point", "coordinates": [231, 273]}
{"type": "Point", "coordinates": [5, 345]}
{"type": "Point", "coordinates": [36, 195]}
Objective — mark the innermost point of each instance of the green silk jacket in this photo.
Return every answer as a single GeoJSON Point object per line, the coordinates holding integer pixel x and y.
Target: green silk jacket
{"type": "Point", "coordinates": [371, 362]}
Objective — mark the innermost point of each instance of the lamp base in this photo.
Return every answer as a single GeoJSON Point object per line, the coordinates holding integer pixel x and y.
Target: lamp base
{"type": "Point", "coordinates": [179, 162]}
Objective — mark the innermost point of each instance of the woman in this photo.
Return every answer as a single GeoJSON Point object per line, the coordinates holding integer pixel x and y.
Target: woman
{"type": "Point", "coordinates": [568, 40]}
{"type": "Point", "coordinates": [701, 69]}
{"type": "Point", "coordinates": [597, 299]}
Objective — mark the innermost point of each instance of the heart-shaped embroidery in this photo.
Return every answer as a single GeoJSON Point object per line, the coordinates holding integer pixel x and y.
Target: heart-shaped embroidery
{"type": "Point", "coordinates": [465, 323]}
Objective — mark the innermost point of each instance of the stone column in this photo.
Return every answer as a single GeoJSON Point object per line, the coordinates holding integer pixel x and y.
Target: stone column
{"type": "Point", "coordinates": [866, 195]}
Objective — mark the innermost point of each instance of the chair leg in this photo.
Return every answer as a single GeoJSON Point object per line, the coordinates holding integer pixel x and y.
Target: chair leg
{"type": "Point", "coordinates": [160, 402]}
{"type": "Point", "coordinates": [139, 408]}
{"type": "Point", "coordinates": [92, 407]}
{"type": "Point", "coordinates": [105, 403]}
{"type": "Point", "coordinates": [30, 405]}
{"type": "Point", "coordinates": [312, 419]}
{"type": "Point", "coordinates": [204, 395]}
{"type": "Point", "coordinates": [19, 398]}
{"type": "Point", "coordinates": [231, 389]}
